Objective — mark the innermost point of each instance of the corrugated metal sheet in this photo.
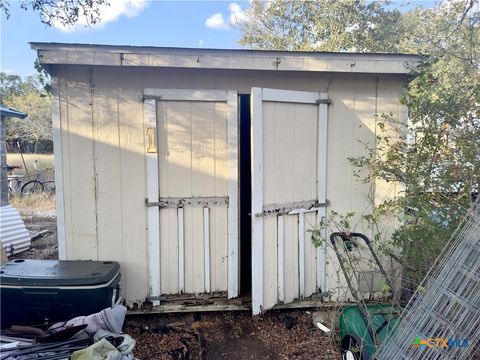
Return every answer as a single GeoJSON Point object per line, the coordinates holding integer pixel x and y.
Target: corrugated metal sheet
{"type": "Point", "coordinates": [13, 233]}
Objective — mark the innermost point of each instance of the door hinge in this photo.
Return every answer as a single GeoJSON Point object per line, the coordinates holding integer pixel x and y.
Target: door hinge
{"type": "Point", "coordinates": [323, 101]}
{"type": "Point", "coordinates": [151, 97]}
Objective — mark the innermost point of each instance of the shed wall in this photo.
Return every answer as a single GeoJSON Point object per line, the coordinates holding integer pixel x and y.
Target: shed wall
{"type": "Point", "coordinates": [102, 148]}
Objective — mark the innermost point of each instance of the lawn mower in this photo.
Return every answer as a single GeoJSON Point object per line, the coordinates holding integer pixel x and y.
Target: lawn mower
{"type": "Point", "coordinates": [364, 326]}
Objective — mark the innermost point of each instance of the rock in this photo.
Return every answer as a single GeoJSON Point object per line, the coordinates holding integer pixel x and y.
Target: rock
{"type": "Point", "coordinates": [326, 317]}
{"type": "Point", "coordinates": [289, 322]}
{"type": "Point", "coordinates": [196, 325]}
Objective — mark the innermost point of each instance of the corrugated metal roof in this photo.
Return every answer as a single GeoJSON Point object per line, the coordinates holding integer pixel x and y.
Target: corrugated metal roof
{"type": "Point", "coordinates": [14, 235]}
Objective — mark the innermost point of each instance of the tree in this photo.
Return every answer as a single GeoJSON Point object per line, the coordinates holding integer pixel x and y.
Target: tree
{"type": "Point", "coordinates": [436, 158]}
{"type": "Point", "coordinates": [323, 25]}
{"type": "Point", "coordinates": [66, 12]}
{"type": "Point", "coordinates": [28, 96]}
{"type": "Point", "coordinates": [11, 85]}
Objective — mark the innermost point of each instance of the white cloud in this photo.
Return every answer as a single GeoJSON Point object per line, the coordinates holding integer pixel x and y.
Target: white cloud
{"type": "Point", "coordinates": [108, 13]}
{"type": "Point", "coordinates": [201, 42]}
{"type": "Point", "coordinates": [237, 15]}
{"type": "Point", "coordinates": [217, 21]}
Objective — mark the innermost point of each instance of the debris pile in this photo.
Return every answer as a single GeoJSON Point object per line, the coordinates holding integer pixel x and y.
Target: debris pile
{"type": "Point", "coordinates": [230, 335]}
{"type": "Point", "coordinates": [97, 336]}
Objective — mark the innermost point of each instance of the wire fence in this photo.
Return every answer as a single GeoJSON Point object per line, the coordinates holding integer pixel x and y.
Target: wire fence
{"type": "Point", "coordinates": [442, 320]}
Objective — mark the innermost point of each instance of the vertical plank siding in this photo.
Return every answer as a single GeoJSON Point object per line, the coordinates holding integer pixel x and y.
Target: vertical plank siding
{"type": "Point", "coordinates": [233, 278]}
{"type": "Point", "coordinates": [101, 150]}
{"type": "Point", "coordinates": [181, 254]}
{"type": "Point", "coordinates": [292, 290]}
{"type": "Point", "coordinates": [80, 179]}
{"type": "Point", "coordinates": [152, 191]}
{"type": "Point", "coordinates": [206, 244]}
{"type": "Point", "coordinates": [104, 172]}
{"type": "Point", "coordinates": [281, 257]}
{"type": "Point", "coordinates": [257, 199]}
{"type": "Point", "coordinates": [301, 253]}
{"type": "Point", "coordinates": [106, 140]}
{"type": "Point", "coordinates": [132, 194]}
{"type": "Point", "coordinates": [313, 275]}
{"type": "Point", "coordinates": [322, 168]}
{"type": "Point", "coordinates": [58, 90]}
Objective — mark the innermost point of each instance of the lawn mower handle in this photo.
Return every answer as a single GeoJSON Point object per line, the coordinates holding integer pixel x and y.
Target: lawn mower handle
{"type": "Point", "coordinates": [345, 236]}
{"type": "Point", "coordinates": [334, 235]}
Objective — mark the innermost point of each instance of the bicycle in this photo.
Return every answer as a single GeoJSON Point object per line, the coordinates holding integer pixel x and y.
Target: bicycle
{"type": "Point", "coordinates": [40, 184]}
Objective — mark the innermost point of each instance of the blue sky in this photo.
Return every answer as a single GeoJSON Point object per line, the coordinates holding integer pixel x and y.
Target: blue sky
{"type": "Point", "coordinates": [156, 23]}
{"type": "Point", "coordinates": [129, 22]}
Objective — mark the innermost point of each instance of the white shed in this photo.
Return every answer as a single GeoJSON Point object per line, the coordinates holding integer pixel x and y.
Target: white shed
{"type": "Point", "coordinates": [201, 170]}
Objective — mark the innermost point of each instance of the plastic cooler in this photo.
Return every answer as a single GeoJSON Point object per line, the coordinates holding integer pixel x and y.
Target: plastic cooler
{"type": "Point", "coordinates": [35, 292]}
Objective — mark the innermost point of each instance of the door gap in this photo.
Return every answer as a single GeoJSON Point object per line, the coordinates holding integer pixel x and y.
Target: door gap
{"type": "Point", "coordinates": [245, 180]}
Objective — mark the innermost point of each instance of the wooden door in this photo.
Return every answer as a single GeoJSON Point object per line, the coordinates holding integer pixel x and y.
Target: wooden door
{"type": "Point", "coordinates": [289, 133]}
{"type": "Point", "coordinates": [191, 145]}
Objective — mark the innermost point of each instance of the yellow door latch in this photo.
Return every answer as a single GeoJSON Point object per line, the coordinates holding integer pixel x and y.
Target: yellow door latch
{"type": "Point", "coordinates": [151, 146]}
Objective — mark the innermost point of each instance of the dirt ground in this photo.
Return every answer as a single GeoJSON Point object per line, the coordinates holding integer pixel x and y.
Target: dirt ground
{"type": "Point", "coordinates": [233, 335]}
{"type": "Point", "coordinates": [215, 335]}
{"type": "Point", "coordinates": [45, 246]}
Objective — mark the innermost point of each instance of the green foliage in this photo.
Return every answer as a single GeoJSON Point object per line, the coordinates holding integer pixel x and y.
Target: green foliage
{"type": "Point", "coordinates": [65, 12]}
{"type": "Point", "coordinates": [43, 76]}
{"type": "Point", "coordinates": [324, 25]}
{"type": "Point", "coordinates": [337, 222]}
{"type": "Point", "coordinates": [384, 287]}
{"type": "Point", "coordinates": [435, 158]}
{"type": "Point", "coordinates": [11, 85]}
{"type": "Point", "coordinates": [27, 95]}
{"type": "Point", "coordinates": [316, 235]}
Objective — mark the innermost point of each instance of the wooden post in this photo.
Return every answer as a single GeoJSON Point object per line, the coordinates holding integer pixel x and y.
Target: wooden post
{"type": "Point", "coordinates": [3, 150]}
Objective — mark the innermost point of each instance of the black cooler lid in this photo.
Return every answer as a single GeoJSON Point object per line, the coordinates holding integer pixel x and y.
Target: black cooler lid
{"type": "Point", "coordinates": [58, 272]}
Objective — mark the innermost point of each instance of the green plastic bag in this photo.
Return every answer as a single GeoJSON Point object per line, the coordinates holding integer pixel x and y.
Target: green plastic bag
{"type": "Point", "coordinates": [101, 350]}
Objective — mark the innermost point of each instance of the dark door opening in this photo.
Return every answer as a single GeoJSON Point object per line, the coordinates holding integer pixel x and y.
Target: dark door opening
{"type": "Point", "coordinates": [245, 180]}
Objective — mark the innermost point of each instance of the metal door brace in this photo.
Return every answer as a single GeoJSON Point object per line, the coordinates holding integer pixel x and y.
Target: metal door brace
{"type": "Point", "coordinates": [282, 209]}
{"type": "Point", "coordinates": [157, 298]}
{"type": "Point", "coordinates": [194, 201]}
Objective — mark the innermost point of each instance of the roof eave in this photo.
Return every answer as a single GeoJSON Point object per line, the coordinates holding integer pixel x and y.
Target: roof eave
{"type": "Point", "coordinates": [128, 56]}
